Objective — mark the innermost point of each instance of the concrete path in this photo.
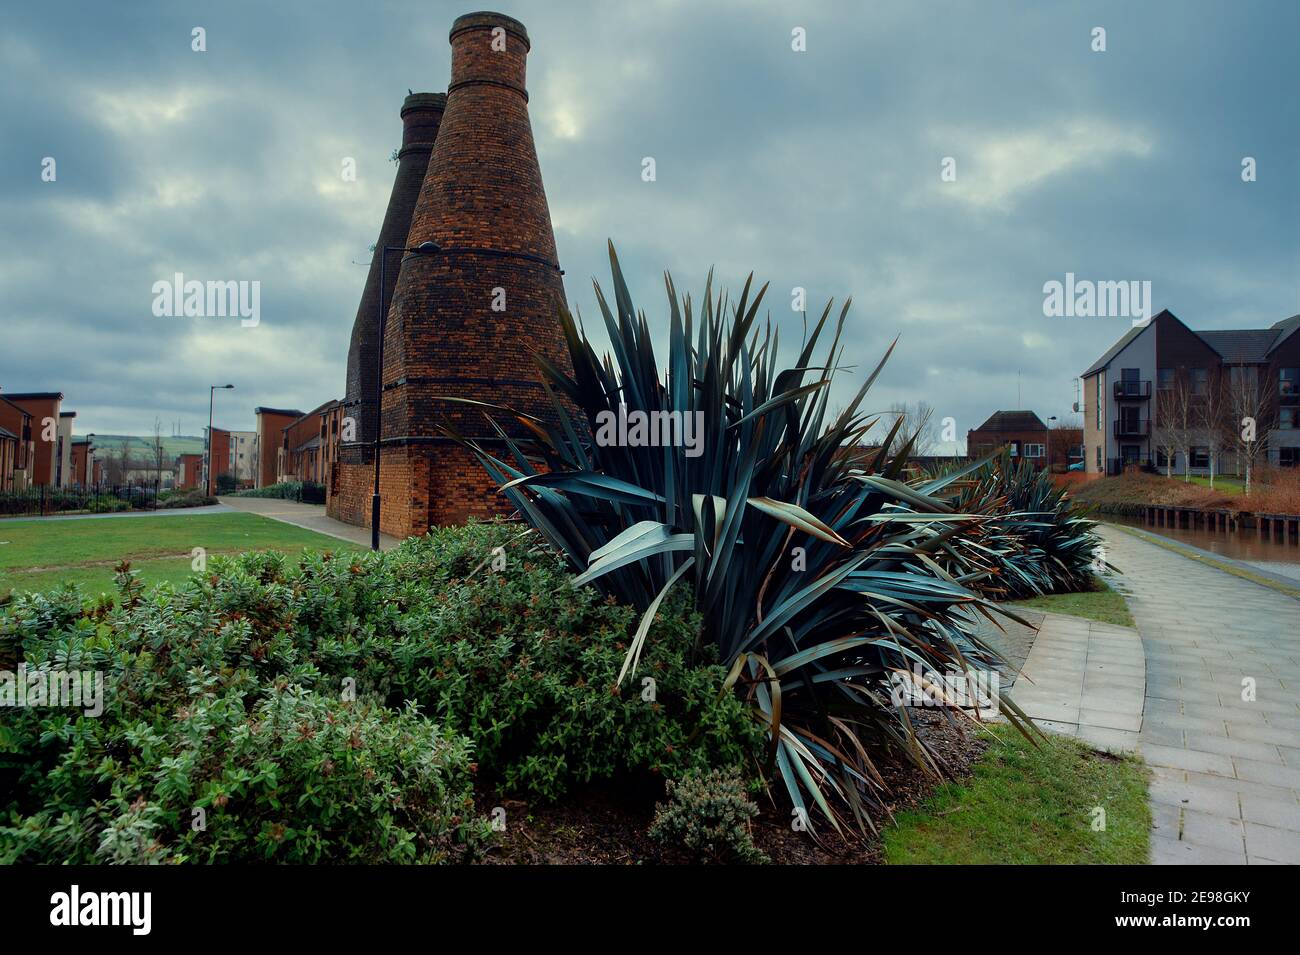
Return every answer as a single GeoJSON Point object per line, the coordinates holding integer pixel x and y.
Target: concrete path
{"type": "Point", "coordinates": [309, 516]}
{"type": "Point", "coordinates": [1220, 721]}
{"type": "Point", "coordinates": [1085, 678]}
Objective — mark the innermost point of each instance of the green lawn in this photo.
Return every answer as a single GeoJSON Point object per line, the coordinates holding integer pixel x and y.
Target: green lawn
{"type": "Point", "coordinates": [1101, 604]}
{"type": "Point", "coordinates": [1227, 485]}
{"type": "Point", "coordinates": [37, 555]}
{"type": "Point", "coordinates": [1033, 805]}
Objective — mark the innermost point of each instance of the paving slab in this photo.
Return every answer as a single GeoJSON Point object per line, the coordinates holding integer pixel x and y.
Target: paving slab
{"type": "Point", "coordinates": [1223, 753]}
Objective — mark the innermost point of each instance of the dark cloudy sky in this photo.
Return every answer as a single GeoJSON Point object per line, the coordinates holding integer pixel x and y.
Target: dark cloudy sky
{"type": "Point", "coordinates": [818, 169]}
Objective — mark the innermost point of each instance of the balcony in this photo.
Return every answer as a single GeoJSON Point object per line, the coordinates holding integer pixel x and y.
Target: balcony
{"type": "Point", "coordinates": [1133, 390]}
{"type": "Point", "coordinates": [1139, 428]}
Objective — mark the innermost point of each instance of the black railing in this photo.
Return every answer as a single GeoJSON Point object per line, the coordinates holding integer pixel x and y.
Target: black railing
{"type": "Point", "coordinates": [42, 501]}
{"type": "Point", "coordinates": [1133, 388]}
{"type": "Point", "coordinates": [1135, 428]}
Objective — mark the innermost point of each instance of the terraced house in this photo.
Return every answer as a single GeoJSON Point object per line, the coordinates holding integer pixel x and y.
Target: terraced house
{"type": "Point", "coordinates": [1168, 398]}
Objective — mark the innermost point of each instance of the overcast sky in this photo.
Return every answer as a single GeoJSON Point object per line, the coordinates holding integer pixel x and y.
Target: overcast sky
{"type": "Point", "coordinates": [819, 169]}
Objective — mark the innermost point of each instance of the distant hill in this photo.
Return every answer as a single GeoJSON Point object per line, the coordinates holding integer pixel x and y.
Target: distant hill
{"type": "Point", "coordinates": [184, 444]}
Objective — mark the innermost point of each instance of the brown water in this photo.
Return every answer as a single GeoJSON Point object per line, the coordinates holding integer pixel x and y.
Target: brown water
{"type": "Point", "coordinates": [1245, 546]}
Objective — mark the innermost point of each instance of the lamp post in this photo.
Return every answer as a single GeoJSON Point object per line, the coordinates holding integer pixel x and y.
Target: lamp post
{"type": "Point", "coordinates": [424, 248]}
{"type": "Point", "coordinates": [90, 460]}
{"type": "Point", "coordinates": [1049, 444]}
{"type": "Point", "coordinates": [207, 464]}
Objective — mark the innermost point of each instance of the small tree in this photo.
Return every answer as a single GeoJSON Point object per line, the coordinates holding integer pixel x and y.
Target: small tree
{"type": "Point", "coordinates": [1249, 404]}
{"type": "Point", "coordinates": [157, 452]}
{"type": "Point", "coordinates": [918, 421]}
{"type": "Point", "coordinates": [1211, 414]}
{"type": "Point", "coordinates": [1182, 420]}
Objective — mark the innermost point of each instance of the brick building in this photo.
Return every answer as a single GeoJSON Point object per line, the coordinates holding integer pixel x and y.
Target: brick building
{"type": "Point", "coordinates": [16, 450]}
{"type": "Point", "coordinates": [1022, 431]}
{"type": "Point", "coordinates": [219, 457]}
{"type": "Point", "coordinates": [309, 445]}
{"type": "Point", "coordinates": [189, 470]}
{"type": "Point", "coordinates": [1163, 376]}
{"type": "Point", "coordinates": [463, 320]}
{"type": "Point", "coordinates": [51, 436]}
{"type": "Point", "coordinates": [271, 423]}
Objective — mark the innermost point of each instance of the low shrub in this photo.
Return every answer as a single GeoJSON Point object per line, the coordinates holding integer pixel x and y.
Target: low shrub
{"type": "Point", "coordinates": [186, 498]}
{"type": "Point", "coordinates": [326, 708]}
{"type": "Point", "coordinates": [708, 815]}
{"type": "Point", "coordinates": [286, 490]}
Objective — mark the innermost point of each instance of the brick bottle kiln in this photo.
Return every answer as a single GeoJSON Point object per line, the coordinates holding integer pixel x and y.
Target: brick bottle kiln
{"type": "Point", "coordinates": [447, 332]}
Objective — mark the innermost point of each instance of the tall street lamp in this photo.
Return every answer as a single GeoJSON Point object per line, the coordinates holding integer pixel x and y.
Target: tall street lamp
{"type": "Point", "coordinates": [424, 248]}
{"type": "Point", "coordinates": [90, 460]}
{"type": "Point", "coordinates": [207, 464]}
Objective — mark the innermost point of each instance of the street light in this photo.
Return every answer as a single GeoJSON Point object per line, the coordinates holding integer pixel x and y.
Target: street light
{"type": "Point", "coordinates": [1049, 445]}
{"type": "Point", "coordinates": [424, 248]}
{"type": "Point", "coordinates": [207, 463]}
{"type": "Point", "coordinates": [90, 459]}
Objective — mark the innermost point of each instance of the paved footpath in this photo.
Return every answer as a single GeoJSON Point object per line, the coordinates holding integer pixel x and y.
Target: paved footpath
{"type": "Point", "coordinates": [1226, 769]}
{"type": "Point", "coordinates": [309, 516]}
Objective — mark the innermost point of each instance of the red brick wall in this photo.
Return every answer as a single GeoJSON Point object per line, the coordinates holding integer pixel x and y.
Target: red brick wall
{"type": "Point", "coordinates": [998, 438]}
{"type": "Point", "coordinates": [220, 458]}
{"type": "Point", "coordinates": [40, 409]}
{"type": "Point", "coordinates": [270, 438]}
{"type": "Point", "coordinates": [190, 473]}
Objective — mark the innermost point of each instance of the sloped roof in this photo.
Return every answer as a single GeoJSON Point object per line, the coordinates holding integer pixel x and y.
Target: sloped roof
{"type": "Point", "coordinates": [1118, 347]}
{"type": "Point", "coordinates": [1285, 329]}
{"type": "Point", "coordinates": [1240, 344]}
{"type": "Point", "coordinates": [1013, 421]}
{"type": "Point", "coordinates": [6, 433]}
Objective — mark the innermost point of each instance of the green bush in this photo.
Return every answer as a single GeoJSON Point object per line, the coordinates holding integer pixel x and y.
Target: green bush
{"type": "Point", "coordinates": [499, 645]}
{"type": "Point", "coordinates": [510, 663]}
{"type": "Point", "coordinates": [286, 490]}
{"type": "Point", "coordinates": [708, 815]}
{"type": "Point", "coordinates": [200, 724]}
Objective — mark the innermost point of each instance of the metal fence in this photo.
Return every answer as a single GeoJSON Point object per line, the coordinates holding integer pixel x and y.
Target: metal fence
{"type": "Point", "coordinates": [43, 501]}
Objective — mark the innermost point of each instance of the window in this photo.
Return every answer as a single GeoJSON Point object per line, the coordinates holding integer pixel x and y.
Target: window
{"type": "Point", "coordinates": [1288, 457]}
{"type": "Point", "coordinates": [1099, 404]}
{"type": "Point", "coordinates": [1162, 459]}
{"type": "Point", "coordinates": [1034, 450]}
{"type": "Point", "coordinates": [1243, 380]}
{"type": "Point", "coordinates": [1099, 457]}
{"type": "Point", "coordinates": [1288, 418]}
{"type": "Point", "coordinates": [1165, 379]}
{"type": "Point", "coordinates": [1015, 448]}
{"type": "Point", "coordinates": [1200, 457]}
{"type": "Point", "coordinates": [1199, 378]}
{"type": "Point", "coordinates": [1288, 382]}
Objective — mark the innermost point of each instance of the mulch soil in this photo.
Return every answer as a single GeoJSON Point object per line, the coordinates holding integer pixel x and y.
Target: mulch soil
{"type": "Point", "coordinates": [607, 826]}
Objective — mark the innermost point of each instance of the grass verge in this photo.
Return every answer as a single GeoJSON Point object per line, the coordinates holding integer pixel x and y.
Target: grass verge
{"type": "Point", "coordinates": [1101, 603]}
{"type": "Point", "coordinates": [1030, 805]}
{"type": "Point", "coordinates": [38, 555]}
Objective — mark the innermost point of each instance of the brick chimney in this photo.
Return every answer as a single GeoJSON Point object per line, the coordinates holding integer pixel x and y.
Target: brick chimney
{"type": "Point", "coordinates": [482, 202]}
{"type": "Point", "coordinates": [421, 116]}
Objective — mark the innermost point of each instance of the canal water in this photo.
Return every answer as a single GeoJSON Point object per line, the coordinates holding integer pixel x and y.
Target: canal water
{"type": "Point", "coordinates": [1245, 546]}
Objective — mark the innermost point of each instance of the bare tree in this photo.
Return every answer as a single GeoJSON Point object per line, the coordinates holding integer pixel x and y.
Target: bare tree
{"type": "Point", "coordinates": [917, 420]}
{"type": "Point", "coordinates": [1164, 436]}
{"type": "Point", "coordinates": [117, 462]}
{"type": "Point", "coordinates": [1250, 405]}
{"type": "Point", "coordinates": [157, 451]}
{"type": "Point", "coordinates": [1183, 418]}
{"type": "Point", "coordinates": [1211, 413]}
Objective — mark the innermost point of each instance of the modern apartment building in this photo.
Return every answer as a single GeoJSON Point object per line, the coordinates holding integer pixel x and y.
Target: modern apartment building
{"type": "Point", "coordinates": [241, 466]}
{"type": "Point", "coordinates": [1165, 397]}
